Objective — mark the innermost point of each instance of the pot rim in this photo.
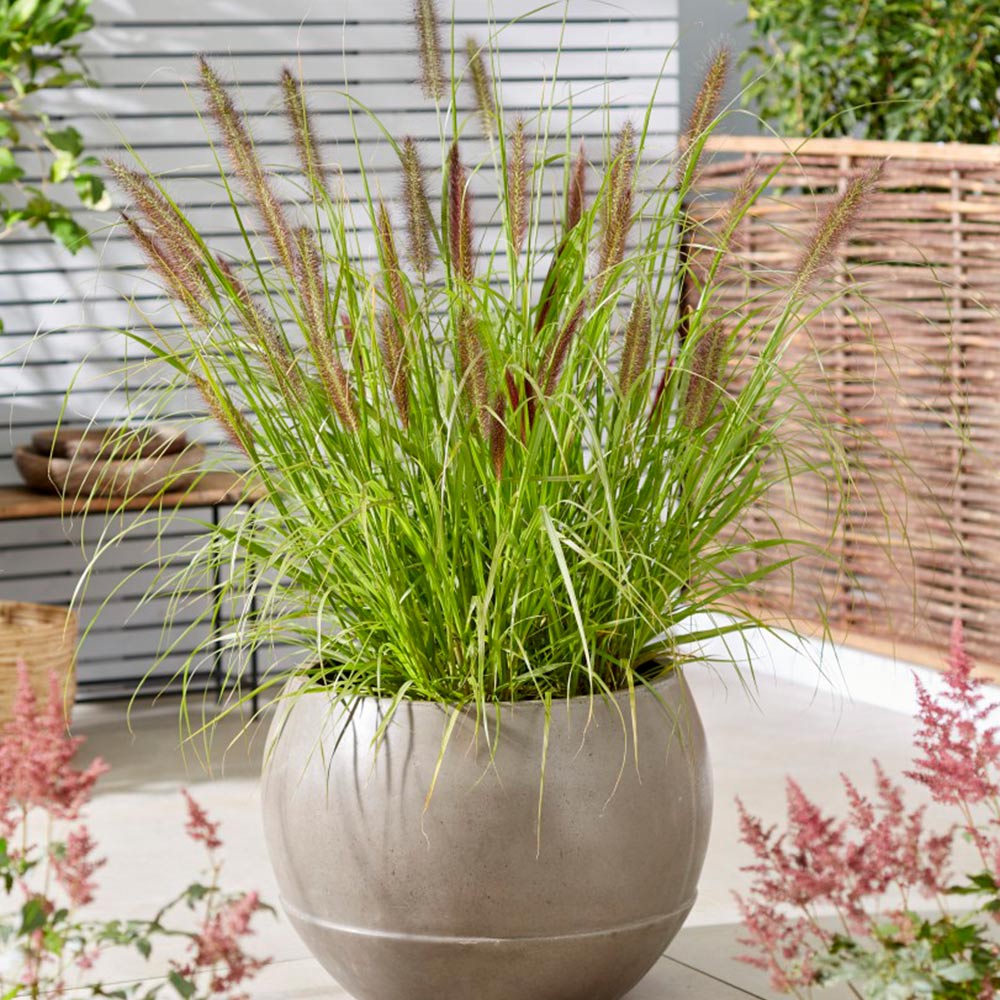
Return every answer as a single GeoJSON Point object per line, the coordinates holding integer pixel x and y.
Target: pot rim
{"type": "Point", "coordinates": [675, 677]}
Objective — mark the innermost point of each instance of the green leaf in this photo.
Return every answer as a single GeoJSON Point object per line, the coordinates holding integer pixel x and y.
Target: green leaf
{"type": "Point", "coordinates": [90, 190]}
{"type": "Point", "coordinates": [32, 915]}
{"type": "Point", "coordinates": [22, 10]}
{"type": "Point", "coordinates": [68, 232]}
{"type": "Point", "coordinates": [62, 167]}
{"type": "Point", "coordinates": [183, 986]}
{"type": "Point", "coordinates": [68, 140]}
{"type": "Point", "coordinates": [9, 170]}
{"type": "Point", "coordinates": [8, 130]}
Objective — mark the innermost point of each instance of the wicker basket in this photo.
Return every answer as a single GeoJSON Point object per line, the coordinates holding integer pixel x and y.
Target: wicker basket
{"type": "Point", "coordinates": [44, 637]}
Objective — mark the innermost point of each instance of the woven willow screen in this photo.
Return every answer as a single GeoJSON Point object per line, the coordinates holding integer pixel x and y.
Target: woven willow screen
{"type": "Point", "coordinates": [910, 355]}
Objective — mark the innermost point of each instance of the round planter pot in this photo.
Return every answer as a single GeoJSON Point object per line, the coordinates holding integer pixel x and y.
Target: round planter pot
{"type": "Point", "coordinates": [475, 893]}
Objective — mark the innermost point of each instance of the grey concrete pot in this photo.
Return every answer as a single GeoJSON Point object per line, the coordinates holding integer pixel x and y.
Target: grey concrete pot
{"type": "Point", "coordinates": [470, 898]}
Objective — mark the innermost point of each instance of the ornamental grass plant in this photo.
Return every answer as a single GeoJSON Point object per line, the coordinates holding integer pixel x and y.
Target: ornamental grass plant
{"type": "Point", "coordinates": [509, 455]}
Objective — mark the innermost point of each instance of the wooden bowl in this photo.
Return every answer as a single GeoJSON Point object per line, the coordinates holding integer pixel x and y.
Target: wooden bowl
{"type": "Point", "coordinates": [116, 442]}
{"type": "Point", "coordinates": [85, 476]}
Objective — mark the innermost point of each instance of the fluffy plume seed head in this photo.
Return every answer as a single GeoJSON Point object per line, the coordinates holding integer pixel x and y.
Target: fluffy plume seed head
{"type": "Point", "coordinates": [497, 433]}
{"type": "Point", "coordinates": [472, 367]}
{"type": "Point", "coordinates": [704, 379]}
{"type": "Point", "coordinates": [394, 359]}
{"type": "Point", "coordinates": [230, 419]}
{"type": "Point", "coordinates": [418, 212]}
{"type": "Point", "coordinates": [190, 294]}
{"type": "Point", "coordinates": [237, 139]}
{"type": "Point", "coordinates": [617, 202]}
{"type": "Point", "coordinates": [635, 353]}
{"type": "Point", "coordinates": [518, 185]}
{"type": "Point", "coordinates": [303, 134]}
{"type": "Point", "coordinates": [176, 240]}
{"type": "Point", "coordinates": [265, 337]}
{"type": "Point", "coordinates": [576, 193]}
{"type": "Point", "coordinates": [708, 100]}
{"type": "Point", "coordinates": [312, 294]}
{"type": "Point", "coordinates": [390, 262]}
{"type": "Point", "coordinates": [482, 87]}
{"type": "Point", "coordinates": [459, 217]}
{"type": "Point", "coordinates": [429, 44]}
{"type": "Point", "coordinates": [839, 219]}
{"type": "Point", "coordinates": [558, 351]}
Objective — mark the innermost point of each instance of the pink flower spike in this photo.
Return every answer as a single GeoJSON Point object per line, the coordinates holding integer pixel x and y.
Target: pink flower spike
{"type": "Point", "coordinates": [74, 867]}
{"type": "Point", "coordinates": [959, 753]}
{"type": "Point", "coordinates": [36, 758]}
{"type": "Point", "coordinates": [199, 827]}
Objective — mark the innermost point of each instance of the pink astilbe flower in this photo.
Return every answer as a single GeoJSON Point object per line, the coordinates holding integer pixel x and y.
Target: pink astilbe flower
{"type": "Point", "coordinates": [36, 758]}
{"type": "Point", "coordinates": [199, 827]}
{"type": "Point", "coordinates": [960, 755]}
{"type": "Point", "coordinates": [783, 945]}
{"type": "Point", "coordinates": [75, 866]}
{"type": "Point", "coordinates": [218, 947]}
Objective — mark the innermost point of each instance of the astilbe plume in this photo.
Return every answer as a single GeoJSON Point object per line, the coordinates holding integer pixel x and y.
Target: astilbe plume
{"type": "Point", "coordinates": [47, 881]}
{"type": "Point", "coordinates": [959, 754]}
{"type": "Point", "coordinates": [616, 205]}
{"type": "Point", "coordinates": [853, 866]}
{"type": "Point", "coordinates": [239, 144]}
{"type": "Point", "coordinates": [432, 79]}
{"type": "Point", "coordinates": [36, 758]}
{"type": "Point", "coordinates": [518, 185]}
{"type": "Point", "coordinates": [303, 134]}
{"type": "Point", "coordinates": [418, 212]}
{"type": "Point", "coordinates": [482, 87]}
{"type": "Point", "coordinates": [459, 217]}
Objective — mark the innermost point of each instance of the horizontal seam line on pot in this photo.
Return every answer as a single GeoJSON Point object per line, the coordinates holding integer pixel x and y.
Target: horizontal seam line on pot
{"type": "Point", "coordinates": [298, 914]}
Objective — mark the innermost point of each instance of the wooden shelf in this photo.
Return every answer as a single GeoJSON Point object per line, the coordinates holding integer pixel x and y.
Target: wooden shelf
{"type": "Point", "coordinates": [214, 489]}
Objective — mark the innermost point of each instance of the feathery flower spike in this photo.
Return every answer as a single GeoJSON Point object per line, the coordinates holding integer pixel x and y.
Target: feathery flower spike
{"type": "Point", "coordinates": [706, 373]}
{"type": "Point", "coordinates": [836, 223]}
{"type": "Point", "coordinates": [177, 278]}
{"type": "Point", "coordinates": [707, 102]}
{"type": "Point", "coordinates": [472, 366]}
{"type": "Point", "coordinates": [616, 205]}
{"type": "Point", "coordinates": [459, 217]}
{"type": "Point", "coordinates": [396, 367]}
{"type": "Point", "coordinates": [265, 336]}
{"type": "Point", "coordinates": [418, 212]}
{"type": "Point", "coordinates": [497, 433]}
{"type": "Point", "coordinates": [303, 134]}
{"type": "Point", "coordinates": [576, 193]}
{"type": "Point", "coordinates": [429, 44]}
{"type": "Point", "coordinates": [635, 353]}
{"type": "Point", "coordinates": [239, 145]}
{"type": "Point", "coordinates": [482, 87]}
{"type": "Point", "coordinates": [312, 294]}
{"type": "Point", "coordinates": [231, 420]}
{"type": "Point", "coordinates": [518, 185]}
{"type": "Point", "coordinates": [177, 244]}
{"type": "Point", "coordinates": [555, 356]}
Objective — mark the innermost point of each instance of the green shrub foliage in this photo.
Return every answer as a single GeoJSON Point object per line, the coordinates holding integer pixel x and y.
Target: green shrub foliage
{"type": "Point", "coordinates": [39, 51]}
{"type": "Point", "coordinates": [916, 70]}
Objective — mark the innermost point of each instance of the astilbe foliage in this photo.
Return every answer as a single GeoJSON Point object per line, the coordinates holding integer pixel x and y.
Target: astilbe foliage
{"type": "Point", "coordinates": [46, 947]}
{"type": "Point", "coordinates": [873, 870]}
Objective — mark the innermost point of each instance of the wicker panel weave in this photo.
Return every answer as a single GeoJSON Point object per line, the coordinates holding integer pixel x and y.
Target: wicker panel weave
{"type": "Point", "coordinates": [910, 354]}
